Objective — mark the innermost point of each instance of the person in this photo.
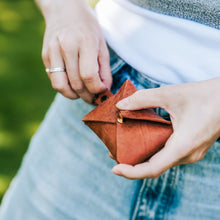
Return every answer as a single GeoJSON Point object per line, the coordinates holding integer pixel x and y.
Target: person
{"type": "Point", "coordinates": [170, 50]}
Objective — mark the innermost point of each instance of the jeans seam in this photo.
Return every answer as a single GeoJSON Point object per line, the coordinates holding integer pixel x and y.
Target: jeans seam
{"type": "Point", "coordinates": [167, 193]}
{"type": "Point", "coordinates": [135, 212]}
{"type": "Point", "coordinates": [173, 186]}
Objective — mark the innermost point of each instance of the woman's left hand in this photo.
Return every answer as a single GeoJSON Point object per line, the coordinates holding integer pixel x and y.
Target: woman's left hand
{"type": "Point", "coordinates": [194, 109]}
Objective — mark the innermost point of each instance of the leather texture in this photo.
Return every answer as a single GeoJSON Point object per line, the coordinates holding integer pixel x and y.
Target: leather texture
{"type": "Point", "coordinates": [132, 137]}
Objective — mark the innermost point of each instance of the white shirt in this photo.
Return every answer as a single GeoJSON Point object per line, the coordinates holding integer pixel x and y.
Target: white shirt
{"type": "Point", "coordinates": [165, 48]}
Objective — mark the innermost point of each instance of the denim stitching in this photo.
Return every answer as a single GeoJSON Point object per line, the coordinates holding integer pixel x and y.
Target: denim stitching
{"type": "Point", "coordinates": [139, 196]}
{"type": "Point", "coordinates": [167, 194]}
{"type": "Point", "coordinates": [175, 177]}
{"type": "Point", "coordinates": [156, 209]}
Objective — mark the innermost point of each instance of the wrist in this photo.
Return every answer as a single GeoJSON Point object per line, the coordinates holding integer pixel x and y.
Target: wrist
{"type": "Point", "coordinates": [51, 8]}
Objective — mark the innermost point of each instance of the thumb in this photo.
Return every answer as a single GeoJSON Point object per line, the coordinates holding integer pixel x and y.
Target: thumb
{"type": "Point", "coordinates": [146, 98]}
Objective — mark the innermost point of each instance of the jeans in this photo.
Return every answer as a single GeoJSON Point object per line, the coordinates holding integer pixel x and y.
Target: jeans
{"type": "Point", "coordinates": [66, 173]}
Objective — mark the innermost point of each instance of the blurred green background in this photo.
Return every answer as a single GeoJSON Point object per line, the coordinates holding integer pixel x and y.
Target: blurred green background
{"type": "Point", "coordinates": [25, 91]}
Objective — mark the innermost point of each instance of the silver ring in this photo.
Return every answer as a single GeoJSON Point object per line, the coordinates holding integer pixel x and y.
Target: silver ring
{"type": "Point", "coordinates": [56, 69]}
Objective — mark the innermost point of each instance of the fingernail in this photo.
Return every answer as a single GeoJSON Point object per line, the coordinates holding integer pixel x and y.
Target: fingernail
{"type": "Point", "coordinates": [116, 171]}
{"type": "Point", "coordinates": [123, 103]}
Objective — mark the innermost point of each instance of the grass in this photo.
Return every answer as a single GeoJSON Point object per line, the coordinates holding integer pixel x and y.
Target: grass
{"type": "Point", "coordinates": [25, 91]}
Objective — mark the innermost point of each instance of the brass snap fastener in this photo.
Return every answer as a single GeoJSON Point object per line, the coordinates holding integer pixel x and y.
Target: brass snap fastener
{"type": "Point", "coordinates": [120, 118]}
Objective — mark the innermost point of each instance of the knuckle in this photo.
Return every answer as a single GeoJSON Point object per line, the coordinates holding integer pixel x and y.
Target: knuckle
{"type": "Point", "coordinates": [77, 85]}
{"type": "Point", "coordinates": [73, 96]}
{"type": "Point", "coordinates": [58, 86]}
{"type": "Point", "coordinates": [88, 77]}
{"type": "Point", "coordinates": [96, 90]}
{"type": "Point", "coordinates": [61, 38]}
{"type": "Point", "coordinates": [88, 42]}
{"type": "Point", "coordinates": [84, 37]}
{"type": "Point", "coordinates": [65, 43]}
{"type": "Point", "coordinates": [65, 39]}
{"type": "Point", "coordinates": [52, 45]}
{"type": "Point", "coordinates": [78, 88]}
{"type": "Point", "coordinates": [45, 56]}
{"type": "Point", "coordinates": [88, 100]}
{"type": "Point", "coordinates": [192, 160]}
{"type": "Point", "coordinates": [196, 157]}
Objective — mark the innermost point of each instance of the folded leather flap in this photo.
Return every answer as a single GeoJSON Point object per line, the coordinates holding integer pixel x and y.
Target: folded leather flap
{"type": "Point", "coordinates": [144, 114]}
{"type": "Point", "coordinates": [96, 118]}
{"type": "Point", "coordinates": [107, 111]}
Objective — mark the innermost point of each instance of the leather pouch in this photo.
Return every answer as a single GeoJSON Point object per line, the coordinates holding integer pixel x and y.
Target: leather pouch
{"type": "Point", "coordinates": [131, 136]}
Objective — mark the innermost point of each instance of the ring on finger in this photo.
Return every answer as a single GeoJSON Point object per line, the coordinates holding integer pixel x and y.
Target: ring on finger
{"type": "Point", "coordinates": [56, 69]}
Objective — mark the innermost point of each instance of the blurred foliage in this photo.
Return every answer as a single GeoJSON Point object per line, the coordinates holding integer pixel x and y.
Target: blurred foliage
{"type": "Point", "coordinates": [93, 2]}
{"type": "Point", "coordinates": [25, 91]}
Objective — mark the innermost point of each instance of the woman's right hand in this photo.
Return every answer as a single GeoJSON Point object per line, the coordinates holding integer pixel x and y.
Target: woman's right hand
{"type": "Point", "coordinates": [73, 40]}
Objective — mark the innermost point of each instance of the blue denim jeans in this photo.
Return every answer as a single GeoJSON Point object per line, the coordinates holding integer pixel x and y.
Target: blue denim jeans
{"type": "Point", "coordinates": [66, 173]}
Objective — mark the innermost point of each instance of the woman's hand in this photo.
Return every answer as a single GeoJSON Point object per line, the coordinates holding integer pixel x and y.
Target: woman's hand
{"type": "Point", "coordinates": [195, 114]}
{"type": "Point", "coordinates": [73, 40]}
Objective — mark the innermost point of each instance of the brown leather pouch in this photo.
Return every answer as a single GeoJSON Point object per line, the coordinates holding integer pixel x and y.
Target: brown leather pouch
{"type": "Point", "coordinates": [131, 136]}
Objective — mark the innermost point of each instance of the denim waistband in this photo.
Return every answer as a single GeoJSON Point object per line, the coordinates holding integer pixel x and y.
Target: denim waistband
{"type": "Point", "coordinates": [122, 71]}
{"type": "Point", "coordinates": [117, 63]}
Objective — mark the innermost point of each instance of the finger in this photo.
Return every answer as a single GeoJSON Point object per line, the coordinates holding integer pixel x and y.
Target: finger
{"type": "Point", "coordinates": [72, 63]}
{"type": "Point", "coordinates": [59, 80]}
{"type": "Point", "coordinates": [104, 65]}
{"type": "Point", "coordinates": [72, 67]}
{"type": "Point", "coordinates": [89, 68]}
{"type": "Point", "coordinates": [146, 98]}
{"type": "Point", "coordinates": [158, 164]}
